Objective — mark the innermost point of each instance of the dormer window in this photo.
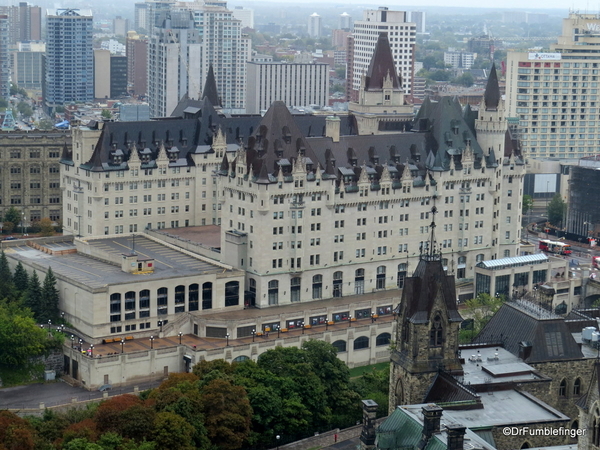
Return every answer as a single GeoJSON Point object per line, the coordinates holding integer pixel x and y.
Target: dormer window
{"type": "Point", "coordinates": [116, 157]}
{"type": "Point", "coordinates": [173, 154]}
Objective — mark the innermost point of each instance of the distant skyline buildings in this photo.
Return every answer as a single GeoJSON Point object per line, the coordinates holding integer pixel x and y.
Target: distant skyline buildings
{"type": "Point", "coordinates": [345, 21]}
{"type": "Point", "coordinates": [25, 22]}
{"type": "Point", "coordinates": [5, 62]}
{"type": "Point", "coordinates": [315, 25]}
{"type": "Point", "coordinates": [69, 57]}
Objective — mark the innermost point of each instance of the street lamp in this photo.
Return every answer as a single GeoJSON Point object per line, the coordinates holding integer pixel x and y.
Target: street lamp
{"type": "Point", "coordinates": [326, 323]}
{"type": "Point", "coordinates": [92, 350]}
{"type": "Point", "coordinates": [279, 437]}
{"type": "Point", "coordinates": [278, 331]}
{"type": "Point", "coordinates": [151, 342]}
{"type": "Point", "coordinates": [253, 334]}
{"type": "Point", "coordinates": [349, 321]}
{"type": "Point", "coordinates": [62, 316]}
{"type": "Point", "coordinates": [180, 334]}
{"type": "Point", "coordinates": [72, 341]}
{"type": "Point", "coordinates": [49, 323]}
{"type": "Point", "coordinates": [23, 223]}
{"type": "Point", "coordinates": [227, 337]}
{"type": "Point", "coordinates": [122, 344]}
{"type": "Point", "coordinates": [302, 327]}
{"type": "Point", "coordinates": [160, 324]}
{"type": "Point", "coordinates": [372, 317]}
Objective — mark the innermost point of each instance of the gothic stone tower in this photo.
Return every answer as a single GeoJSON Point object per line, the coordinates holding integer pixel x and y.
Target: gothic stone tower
{"type": "Point", "coordinates": [427, 328]}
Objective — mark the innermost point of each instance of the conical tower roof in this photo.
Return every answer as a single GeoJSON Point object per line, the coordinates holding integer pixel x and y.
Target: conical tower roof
{"type": "Point", "coordinates": [492, 91]}
{"type": "Point", "coordinates": [381, 66]}
{"type": "Point", "coordinates": [210, 88]}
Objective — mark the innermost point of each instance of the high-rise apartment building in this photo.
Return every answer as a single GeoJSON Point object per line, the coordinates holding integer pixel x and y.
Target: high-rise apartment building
{"type": "Point", "coordinates": [137, 57]}
{"type": "Point", "coordinates": [120, 26]}
{"type": "Point", "coordinates": [4, 58]}
{"type": "Point", "coordinates": [555, 94]}
{"type": "Point", "coordinates": [101, 73]}
{"type": "Point", "coordinates": [418, 18]}
{"type": "Point", "coordinates": [174, 62]}
{"type": "Point", "coordinates": [315, 25]}
{"type": "Point", "coordinates": [69, 57]}
{"type": "Point", "coordinates": [25, 22]}
{"type": "Point", "coordinates": [401, 34]}
{"type": "Point", "coordinates": [28, 65]}
{"type": "Point", "coordinates": [345, 21]}
{"type": "Point", "coordinates": [293, 84]}
{"type": "Point", "coordinates": [155, 10]}
{"type": "Point", "coordinates": [140, 17]}
{"type": "Point", "coordinates": [245, 15]}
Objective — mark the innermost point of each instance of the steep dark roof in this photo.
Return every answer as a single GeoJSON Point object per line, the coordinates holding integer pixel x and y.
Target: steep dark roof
{"type": "Point", "coordinates": [210, 88]}
{"type": "Point", "coordinates": [491, 96]}
{"type": "Point", "coordinates": [381, 66]}
{"type": "Point", "coordinates": [421, 291]}
{"type": "Point", "coordinates": [447, 389]}
{"type": "Point", "coordinates": [470, 116]}
{"type": "Point", "coordinates": [544, 334]}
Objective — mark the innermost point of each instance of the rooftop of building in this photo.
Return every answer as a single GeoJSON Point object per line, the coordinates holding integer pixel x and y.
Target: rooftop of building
{"type": "Point", "coordinates": [102, 269]}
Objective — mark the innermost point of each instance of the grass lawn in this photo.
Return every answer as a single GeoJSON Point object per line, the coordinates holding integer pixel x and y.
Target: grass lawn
{"type": "Point", "coordinates": [360, 371]}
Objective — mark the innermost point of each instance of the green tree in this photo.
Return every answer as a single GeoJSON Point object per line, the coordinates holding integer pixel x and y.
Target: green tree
{"type": "Point", "coordinates": [466, 79]}
{"type": "Point", "coordinates": [173, 431]}
{"type": "Point", "coordinates": [527, 203]}
{"type": "Point", "coordinates": [479, 311]}
{"type": "Point", "coordinates": [556, 210]}
{"type": "Point", "coordinates": [49, 297]}
{"type": "Point", "coordinates": [8, 227]}
{"type": "Point", "coordinates": [106, 114]}
{"type": "Point", "coordinates": [12, 215]}
{"type": "Point", "coordinates": [15, 433]}
{"type": "Point", "coordinates": [33, 297]}
{"type": "Point", "coordinates": [7, 288]}
{"type": "Point", "coordinates": [25, 109]}
{"type": "Point", "coordinates": [21, 279]}
{"type": "Point", "coordinates": [46, 227]}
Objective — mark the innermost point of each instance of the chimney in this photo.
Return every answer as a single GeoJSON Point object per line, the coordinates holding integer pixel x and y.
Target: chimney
{"type": "Point", "coordinates": [432, 415]}
{"type": "Point", "coordinates": [456, 437]}
{"type": "Point", "coordinates": [332, 128]}
{"type": "Point", "coordinates": [367, 436]}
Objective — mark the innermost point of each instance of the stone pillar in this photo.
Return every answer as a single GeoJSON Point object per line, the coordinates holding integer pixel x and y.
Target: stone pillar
{"type": "Point", "coordinates": [432, 415]}
{"type": "Point", "coordinates": [367, 436]}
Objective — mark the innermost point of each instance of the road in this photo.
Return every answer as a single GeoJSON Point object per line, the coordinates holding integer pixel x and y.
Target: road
{"type": "Point", "coordinates": [581, 255]}
{"type": "Point", "coordinates": [55, 393]}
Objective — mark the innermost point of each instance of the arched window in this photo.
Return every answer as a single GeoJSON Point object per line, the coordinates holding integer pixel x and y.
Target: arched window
{"type": "Point", "coordinates": [338, 279]}
{"type": "Point", "coordinates": [232, 293]}
{"type": "Point", "coordinates": [317, 286]}
{"type": "Point", "coordinates": [207, 295]}
{"type": "Point", "coordinates": [577, 386]}
{"type": "Point", "coordinates": [115, 307]}
{"type": "Point", "coordinates": [241, 358]}
{"type": "Point", "coordinates": [162, 299]}
{"type": "Point", "coordinates": [562, 389]}
{"type": "Point", "coordinates": [380, 283]}
{"type": "Point", "coordinates": [273, 292]}
{"type": "Point", "coordinates": [436, 333]}
{"type": "Point", "coordinates": [144, 303]}
{"type": "Point", "coordinates": [295, 287]}
{"type": "Point", "coordinates": [359, 281]}
{"type": "Point", "coordinates": [596, 428]}
{"type": "Point", "coordinates": [383, 339]}
{"type": "Point", "coordinates": [193, 297]}
{"type": "Point", "coordinates": [340, 346]}
{"type": "Point", "coordinates": [361, 342]}
{"type": "Point", "coordinates": [402, 269]}
{"type": "Point", "coordinates": [130, 301]}
{"type": "Point", "coordinates": [479, 257]}
{"type": "Point", "coordinates": [179, 299]}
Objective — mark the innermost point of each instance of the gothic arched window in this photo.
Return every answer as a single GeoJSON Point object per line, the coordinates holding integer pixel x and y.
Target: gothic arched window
{"type": "Point", "coordinates": [436, 333]}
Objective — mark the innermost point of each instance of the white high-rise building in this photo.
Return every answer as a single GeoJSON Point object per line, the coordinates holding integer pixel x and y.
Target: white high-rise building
{"type": "Point", "coordinates": [141, 21]}
{"type": "Point", "coordinates": [554, 94]}
{"type": "Point", "coordinates": [345, 21]}
{"type": "Point", "coordinates": [174, 63]}
{"type": "Point", "coordinates": [154, 10]}
{"type": "Point", "coordinates": [418, 17]}
{"type": "Point", "coordinates": [293, 84]}
{"type": "Point", "coordinates": [315, 25]}
{"type": "Point", "coordinates": [401, 34]}
{"type": "Point", "coordinates": [245, 15]}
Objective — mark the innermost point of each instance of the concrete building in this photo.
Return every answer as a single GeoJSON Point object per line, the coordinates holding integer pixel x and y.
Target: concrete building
{"type": "Point", "coordinates": [174, 63]}
{"type": "Point", "coordinates": [339, 39]}
{"type": "Point", "coordinates": [293, 84]}
{"type": "Point", "coordinates": [459, 60]}
{"type": "Point", "coordinates": [5, 60]}
{"type": "Point", "coordinates": [137, 63]}
{"type": "Point", "coordinates": [345, 22]}
{"type": "Point", "coordinates": [28, 66]}
{"type": "Point", "coordinates": [69, 74]}
{"type": "Point", "coordinates": [554, 94]}
{"type": "Point", "coordinates": [25, 22]}
{"type": "Point", "coordinates": [118, 76]}
{"type": "Point", "coordinates": [31, 178]}
{"type": "Point", "coordinates": [582, 220]}
{"type": "Point", "coordinates": [141, 18]}
{"type": "Point", "coordinates": [114, 47]}
{"type": "Point", "coordinates": [315, 26]}
{"type": "Point", "coordinates": [245, 15]}
{"type": "Point", "coordinates": [120, 26]}
{"type": "Point", "coordinates": [155, 9]}
{"type": "Point", "coordinates": [419, 18]}
{"type": "Point", "coordinates": [101, 74]}
{"type": "Point", "coordinates": [401, 34]}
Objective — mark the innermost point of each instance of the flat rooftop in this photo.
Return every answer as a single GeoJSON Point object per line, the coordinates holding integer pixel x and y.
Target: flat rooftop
{"type": "Point", "coordinates": [500, 408]}
{"type": "Point", "coordinates": [208, 235]}
{"type": "Point", "coordinates": [484, 365]}
{"type": "Point", "coordinates": [96, 273]}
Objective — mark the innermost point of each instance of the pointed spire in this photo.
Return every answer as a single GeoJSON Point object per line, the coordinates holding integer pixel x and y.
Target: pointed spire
{"type": "Point", "coordinates": [491, 97]}
{"type": "Point", "coordinates": [318, 172]}
{"type": "Point", "coordinates": [382, 65]}
{"type": "Point", "coordinates": [364, 177]}
{"type": "Point", "coordinates": [210, 88]}
{"type": "Point", "coordinates": [385, 174]}
{"type": "Point", "coordinates": [134, 157]}
{"type": "Point", "coordinates": [406, 175]}
{"type": "Point", "coordinates": [299, 165]}
{"type": "Point", "coordinates": [329, 169]}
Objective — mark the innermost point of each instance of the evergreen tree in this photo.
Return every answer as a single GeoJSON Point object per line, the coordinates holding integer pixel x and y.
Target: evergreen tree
{"type": "Point", "coordinates": [21, 279]}
{"type": "Point", "coordinates": [50, 297]}
{"type": "Point", "coordinates": [6, 280]}
{"type": "Point", "coordinates": [33, 297]}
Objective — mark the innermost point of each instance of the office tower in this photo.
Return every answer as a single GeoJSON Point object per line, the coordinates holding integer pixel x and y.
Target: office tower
{"type": "Point", "coordinates": [174, 62]}
{"type": "Point", "coordinates": [137, 57]}
{"type": "Point", "coordinates": [554, 94]}
{"type": "Point", "coordinates": [141, 23]}
{"type": "Point", "coordinates": [401, 34]}
{"type": "Point", "coordinates": [101, 73]}
{"type": "Point", "coordinates": [294, 84]}
{"type": "Point", "coordinates": [4, 58]}
{"type": "Point", "coordinates": [315, 26]}
{"type": "Point", "coordinates": [69, 57]}
{"type": "Point", "coordinates": [345, 21]}
{"type": "Point", "coordinates": [28, 65]}
{"type": "Point", "coordinates": [120, 26]}
{"type": "Point", "coordinates": [25, 22]}
{"type": "Point", "coordinates": [245, 15]}
{"type": "Point", "coordinates": [418, 18]}
{"type": "Point", "coordinates": [154, 11]}
{"type": "Point", "coordinates": [118, 76]}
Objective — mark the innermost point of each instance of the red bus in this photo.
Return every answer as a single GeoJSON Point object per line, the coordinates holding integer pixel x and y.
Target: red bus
{"type": "Point", "coordinates": [560, 248]}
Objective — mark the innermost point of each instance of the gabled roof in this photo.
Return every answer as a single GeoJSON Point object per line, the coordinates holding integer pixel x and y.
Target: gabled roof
{"type": "Point", "coordinates": [381, 66]}
{"type": "Point", "coordinates": [210, 88]}
{"type": "Point", "coordinates": [524, 324]}
{"type": "Point", "coordinates": [447, 389]}
{"type": "Point", "coordinates": [491, 96]}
